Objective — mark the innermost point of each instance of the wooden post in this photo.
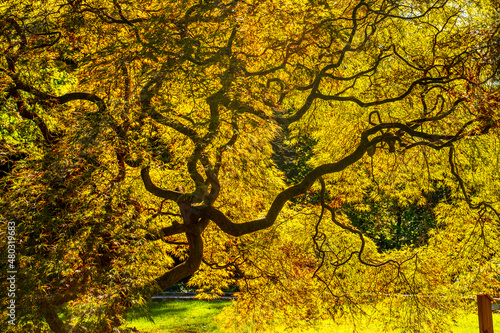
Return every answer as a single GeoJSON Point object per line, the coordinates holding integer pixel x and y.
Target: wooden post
{"type": "Point", "coordinates": [484, 312]}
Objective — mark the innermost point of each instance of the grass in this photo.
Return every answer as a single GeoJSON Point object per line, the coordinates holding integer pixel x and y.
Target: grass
{"type": "Point", "coordinates": [469, 323]}
{"type": "Point", "coordinates": [199, 317]}
{"type": "Point", "coordinates": [179, 317]}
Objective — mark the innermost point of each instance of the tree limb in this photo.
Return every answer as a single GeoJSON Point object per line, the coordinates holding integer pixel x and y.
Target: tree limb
{"type": "Point", "coordinates": [155, 190]}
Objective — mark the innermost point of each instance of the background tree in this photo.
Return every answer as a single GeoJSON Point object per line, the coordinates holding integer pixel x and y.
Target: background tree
{"type": "Point", "coordinates": [144, 131]}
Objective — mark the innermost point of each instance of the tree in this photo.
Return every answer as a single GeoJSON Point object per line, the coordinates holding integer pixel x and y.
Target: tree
{"type": "Point", "coordinates": [145, 132]}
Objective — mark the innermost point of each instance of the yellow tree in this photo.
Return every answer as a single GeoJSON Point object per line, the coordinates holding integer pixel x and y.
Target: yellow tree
{"type": "Point", "coordinates": [136, 132]}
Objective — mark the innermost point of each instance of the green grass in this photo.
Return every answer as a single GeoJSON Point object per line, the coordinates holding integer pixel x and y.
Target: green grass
{"type": "Point", "coordinates": [180, 317]}
{"type": "Point", "coordinates": [469, 323]}
{"type": "Point", "coordinates": [199, 317]}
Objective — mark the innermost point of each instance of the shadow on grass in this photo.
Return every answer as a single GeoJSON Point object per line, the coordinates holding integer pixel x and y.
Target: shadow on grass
{"type": "Point", "coordinates": [179, 317]}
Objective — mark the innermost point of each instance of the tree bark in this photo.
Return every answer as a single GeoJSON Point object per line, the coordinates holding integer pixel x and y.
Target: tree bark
{"type": "Point", "coordinates": [50, 315]}
{"type": "Point", "coordinates": [187, 268]}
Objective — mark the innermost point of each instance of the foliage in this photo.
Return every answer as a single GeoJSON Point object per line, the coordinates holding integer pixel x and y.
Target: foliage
{"type": "Point", "coordinates": [139, 147]}
{"type": "Point", "coordinates": [199, 316]}
{"type": "Point", "coordinates": [291, 154]}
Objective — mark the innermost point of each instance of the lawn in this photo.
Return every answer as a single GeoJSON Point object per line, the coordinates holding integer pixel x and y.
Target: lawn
{"type": "Point", "coordinates": [180, 317]}
{"type": "Point", "coordinates": [199, 317]}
